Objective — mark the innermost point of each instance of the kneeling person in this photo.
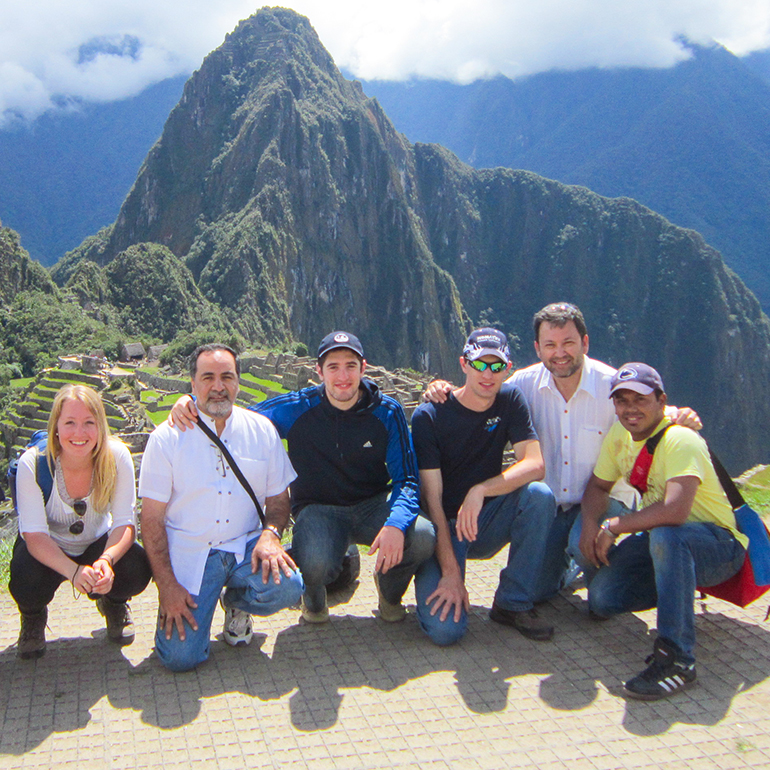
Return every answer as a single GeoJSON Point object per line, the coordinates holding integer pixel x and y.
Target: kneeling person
{"type": "Point", "coordinates": [477, 506]}
{"type": "Point", "coordinates": [684, 535]}
{"type": "Point", "coordinates": [200, 527]}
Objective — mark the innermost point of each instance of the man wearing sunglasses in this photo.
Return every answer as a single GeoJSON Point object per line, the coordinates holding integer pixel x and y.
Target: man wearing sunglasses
{"type": "Point", "coordinates": [477, 505]}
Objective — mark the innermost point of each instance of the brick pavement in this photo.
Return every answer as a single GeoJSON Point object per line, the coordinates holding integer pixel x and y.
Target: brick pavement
{"type": "Point", "coordinates": [358, 693]}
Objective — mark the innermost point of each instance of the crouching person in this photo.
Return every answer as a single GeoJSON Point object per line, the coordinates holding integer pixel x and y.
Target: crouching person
{"type": "Point", "coordinates": [683, 536]}
{"type": "Point", "coordinates": [200, 527]}
{"type": "Point", "coordinates": [77, 522]}
{"type": "Point", "coordinates": [477, 505]}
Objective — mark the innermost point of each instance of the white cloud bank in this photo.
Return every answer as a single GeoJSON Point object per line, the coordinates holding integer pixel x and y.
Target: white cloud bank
{"type": "Point", "coordinates": [53, 54]}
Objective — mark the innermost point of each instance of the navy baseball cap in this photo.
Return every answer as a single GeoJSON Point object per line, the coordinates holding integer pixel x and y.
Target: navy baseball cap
{"type": "Point", "coordinates": [637, 377]}
{"type": "Point", "coordinates": [337, 340]}
{"type": "Point", "coordinates": [487, 342]}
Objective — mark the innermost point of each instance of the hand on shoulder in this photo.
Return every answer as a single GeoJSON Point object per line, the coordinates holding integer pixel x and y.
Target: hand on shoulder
{"type": "Point", "coordinates": [437, 392]}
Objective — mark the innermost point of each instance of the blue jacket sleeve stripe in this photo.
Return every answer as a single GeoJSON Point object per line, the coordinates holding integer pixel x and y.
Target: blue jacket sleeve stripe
{"type": "Point", "coordinates": [402, 466]}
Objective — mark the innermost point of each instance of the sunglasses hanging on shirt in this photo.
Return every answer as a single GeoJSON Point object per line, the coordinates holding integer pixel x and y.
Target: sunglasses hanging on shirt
{"type": "Point", "coordinates": [80, 507]}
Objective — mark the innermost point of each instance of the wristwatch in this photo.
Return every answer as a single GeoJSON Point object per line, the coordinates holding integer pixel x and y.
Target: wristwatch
{"type": "Point", "coordinates": [272, 528]}
{"type": "Point", "coordinates": [605, 527]}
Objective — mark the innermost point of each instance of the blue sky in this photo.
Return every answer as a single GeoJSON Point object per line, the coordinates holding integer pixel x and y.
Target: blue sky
{"type": "Point", "coordinates": [53, 54]}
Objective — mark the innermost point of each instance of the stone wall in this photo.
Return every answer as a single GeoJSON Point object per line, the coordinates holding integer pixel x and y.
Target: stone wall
{"type": "Point", "coordinates": [169, 384]}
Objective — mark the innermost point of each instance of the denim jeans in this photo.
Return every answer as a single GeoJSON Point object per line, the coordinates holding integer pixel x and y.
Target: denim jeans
{"type": "Point", "coordinates": [244, 591]}
{"type": "Point", "coordinates": [563, 549]}
{"type": "Point", "coordinates": [662, 568]}
{"type": "Point", "coordinates": [323, 533]}
{"type": "Point", "coordinates": [523, 519]}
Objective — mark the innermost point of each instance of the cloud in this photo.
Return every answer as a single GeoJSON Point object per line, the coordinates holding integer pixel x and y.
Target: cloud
{"type": "Point", "coordinates": [55, 54]}
{"type": "Point", "coordinates": [461, 40]}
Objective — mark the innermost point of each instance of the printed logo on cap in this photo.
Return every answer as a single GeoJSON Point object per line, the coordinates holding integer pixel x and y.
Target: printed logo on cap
{"type": "Point", "coordinates": [341, 338]}
{"type": "Point", "coordinates": [627, 373]}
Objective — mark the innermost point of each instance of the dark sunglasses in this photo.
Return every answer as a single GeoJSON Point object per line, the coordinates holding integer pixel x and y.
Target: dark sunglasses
{"type": "Point", "coordinates": [481, 366]}
{"type": "Point", "coordinates": [80, 507]}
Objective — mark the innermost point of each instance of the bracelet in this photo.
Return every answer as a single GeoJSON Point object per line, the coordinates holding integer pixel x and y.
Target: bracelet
{"type": "Point", "coordinates": [75, 594]}
{"type": "Point", "coordinates": [272, 528]}
{"type": "Point", "coordinates": [108, 558]}
{"type": "Point", "coordinates": [605, 527]}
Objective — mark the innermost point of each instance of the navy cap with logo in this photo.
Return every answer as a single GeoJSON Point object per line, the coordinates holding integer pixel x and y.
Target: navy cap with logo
{"type": "Point", "coordinates": [637, 377]}
{"type": "Point", "coordinates": [487, 342]}
{"type": "Point", "coordinates": [337, 340]}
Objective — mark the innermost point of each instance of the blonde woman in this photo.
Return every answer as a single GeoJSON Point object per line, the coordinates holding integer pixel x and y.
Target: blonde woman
{"type": "Point", "coordinates": [85, 531]}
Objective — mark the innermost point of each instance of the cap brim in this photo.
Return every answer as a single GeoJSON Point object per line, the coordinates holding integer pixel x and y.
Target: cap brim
{"type": "Point", "coordinates": [637, 387]}
{"type": "Point", "coordinates": [343, 346]}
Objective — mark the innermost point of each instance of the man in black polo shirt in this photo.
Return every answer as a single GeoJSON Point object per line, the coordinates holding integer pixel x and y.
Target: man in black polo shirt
{"type": "Point", "coordinates": [477, 506]}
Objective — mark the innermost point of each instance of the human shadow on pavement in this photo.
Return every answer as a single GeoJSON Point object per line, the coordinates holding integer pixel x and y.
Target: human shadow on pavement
{"type": "Point", "coordinates": [316, 664]}
{"type": "Point", "coordinates": [732, 657]}
{"type": "Point", "coordinates": [55, 693]}
{"type": "Point", "coordinates": [319, 663]}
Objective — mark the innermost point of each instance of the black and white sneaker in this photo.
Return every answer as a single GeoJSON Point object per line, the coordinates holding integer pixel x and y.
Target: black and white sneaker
{"type": "Point", "coordinates": [664, 677]}
{"type": "Point", "coordinates": [237, 630]}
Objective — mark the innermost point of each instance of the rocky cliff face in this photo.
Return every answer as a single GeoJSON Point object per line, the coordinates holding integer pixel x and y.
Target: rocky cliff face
{"type": "Point", "coordinates": [298, 209]}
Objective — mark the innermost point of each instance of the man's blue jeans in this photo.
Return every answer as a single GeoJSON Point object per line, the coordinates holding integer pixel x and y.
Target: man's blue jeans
{"type": "Point", "coordinates": [562, 550]}
{"type": "Point", "coordinates": [323, 533]}
{"type": "Point", "coordinates": [244, 591]}
{"type": "Point", "coordinates": [662, 568]}
{"type": "Point", "coordinates": [521, 518]}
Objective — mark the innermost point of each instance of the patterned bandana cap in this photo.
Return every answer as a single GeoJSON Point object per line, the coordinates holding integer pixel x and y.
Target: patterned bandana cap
{"type": "Point", "coordinates": [487, 342]}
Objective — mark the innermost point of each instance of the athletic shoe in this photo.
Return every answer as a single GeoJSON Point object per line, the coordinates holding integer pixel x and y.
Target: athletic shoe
{"type": "Point", "coordinates": [120, 624]}
{"type": "Point", "coordinates": [237, 629]}
{"type": "Point", "coordinates": [526, 622]}
{"type": "Point", "coordinates": [31, 642]}
{"type": "Point", "coordinates": [390, 613]}
{"type": "Point", "coordinates": [665, 676]}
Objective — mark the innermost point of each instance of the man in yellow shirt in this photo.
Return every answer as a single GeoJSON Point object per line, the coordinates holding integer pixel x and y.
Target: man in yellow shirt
{"type": "Point", "coordinates": [683, 536]}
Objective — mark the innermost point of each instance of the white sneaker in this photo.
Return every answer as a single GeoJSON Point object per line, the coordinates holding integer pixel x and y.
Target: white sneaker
{"type": "Point", "coordinates": [237, 630]}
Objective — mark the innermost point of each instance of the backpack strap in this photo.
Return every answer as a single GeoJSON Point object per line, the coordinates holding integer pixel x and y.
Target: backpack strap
{"type": "Point", "coordinates": [643, 462]}
{"type": "Point", "coordinates": [733, 493]}
{"type": "Point", "coordinates": [234, 467]}
{"type": "Point", "coordinates": [43, 475]}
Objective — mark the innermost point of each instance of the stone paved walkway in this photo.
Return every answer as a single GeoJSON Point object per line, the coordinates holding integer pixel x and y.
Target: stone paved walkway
{"type": "Point", "coordinates": [358, 693]}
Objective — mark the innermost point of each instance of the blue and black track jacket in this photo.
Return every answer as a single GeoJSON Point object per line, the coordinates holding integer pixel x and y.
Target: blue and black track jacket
{"type": "Point", "coordinates": [343, 457]}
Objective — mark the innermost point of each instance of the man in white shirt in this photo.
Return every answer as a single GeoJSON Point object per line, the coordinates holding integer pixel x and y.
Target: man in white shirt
{"type": "Point", "coordinates": [568, 397]}
{"type": "Point", "coordinates": [200, 528]}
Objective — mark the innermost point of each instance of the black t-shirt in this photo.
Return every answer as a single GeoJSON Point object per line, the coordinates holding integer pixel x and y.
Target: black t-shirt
{"type": "Point", "coordinates": [468, 446]}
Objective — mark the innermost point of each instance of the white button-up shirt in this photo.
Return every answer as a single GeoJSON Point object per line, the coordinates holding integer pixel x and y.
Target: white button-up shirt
{"type": "Point", "coordinates": [206, 505]}
{"type": "Point", "coordinates": [571, 432]}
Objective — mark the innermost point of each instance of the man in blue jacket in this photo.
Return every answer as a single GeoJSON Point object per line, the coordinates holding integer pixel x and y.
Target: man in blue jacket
{"type": "Point", "coordinates": [356, 479]}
